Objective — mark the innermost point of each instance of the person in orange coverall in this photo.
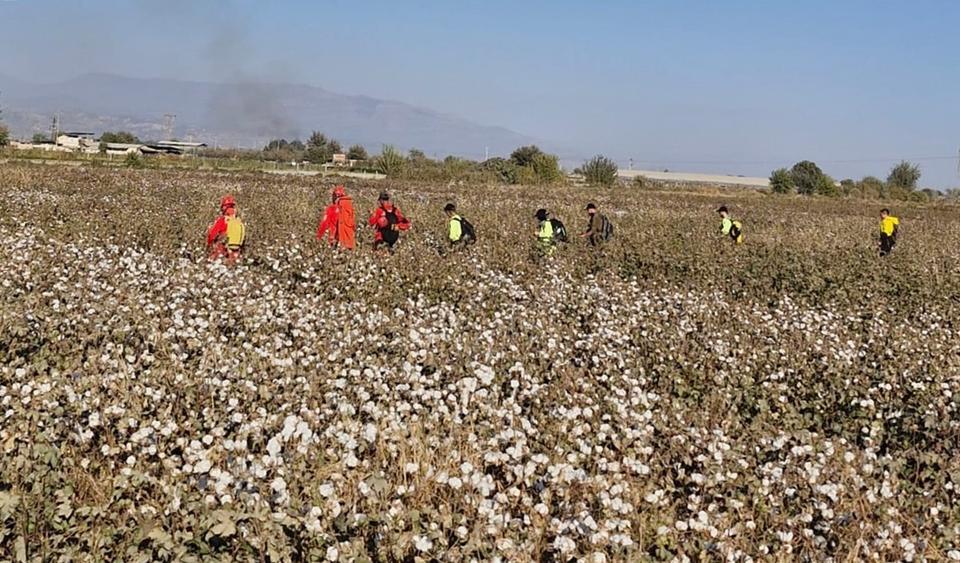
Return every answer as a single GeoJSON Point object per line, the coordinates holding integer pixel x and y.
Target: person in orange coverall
{"type": "Point", "coordinates": [339, 221]}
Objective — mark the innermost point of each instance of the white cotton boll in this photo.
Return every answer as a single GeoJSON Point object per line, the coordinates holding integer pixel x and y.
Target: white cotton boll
{"type": "Point", "coordinates": [411, 468]}
{"type": "Point", "coordinates": [333, 554]}
{"type": "Point", "coordinates": [274, 446]}
{"type": "Point", "coordinates": [326, 490]}
{"type": "Point", "coordinates": [455, 483]}
{"type": "Point", "coordinates": [202, 466]}
{"type": "Point", "coordinates": [564, 544]}
{"type": "Point", "coordinates": [422, 543]}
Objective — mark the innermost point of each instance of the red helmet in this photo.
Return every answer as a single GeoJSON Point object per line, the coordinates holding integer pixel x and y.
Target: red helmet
{"type": "Point", "coordinates": [338, 192]}
{"type": "Point", "coordinates": [227, 201]}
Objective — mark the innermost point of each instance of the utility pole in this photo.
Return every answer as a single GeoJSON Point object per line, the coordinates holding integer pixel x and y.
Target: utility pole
{"type": "Point", "coordinates": [55, 128]}
{"type": "Point", "coordinates": [168, 121]}
{"type": "Point", "coordinates": [486, 153]}
{"type": "Point", "coordinates": [631, 165]}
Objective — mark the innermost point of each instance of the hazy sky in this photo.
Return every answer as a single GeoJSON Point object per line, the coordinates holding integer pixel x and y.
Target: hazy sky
{"type": "Point", "coordinates": [732, 87]}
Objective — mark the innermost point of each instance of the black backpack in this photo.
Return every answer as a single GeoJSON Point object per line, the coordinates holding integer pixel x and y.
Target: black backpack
{"type": "Point", "coordinates": [389, 235]}
{"type": "Point", "coordinates": [468, 234]}
{"type": "Point", "coordinates": [735, 230]}
{"type": "Point", "coordinates": [606, 228]}
{"type": "Point", "coordinates": [559, 231]}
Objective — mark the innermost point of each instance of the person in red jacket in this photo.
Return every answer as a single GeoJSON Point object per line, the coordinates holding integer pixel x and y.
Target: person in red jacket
{"type": "Point", "coordinates": [387, 222]}
{"type": "Point", "coordinates": [226, 236]}
{"type": "Point", "coordinates": [339, 221]}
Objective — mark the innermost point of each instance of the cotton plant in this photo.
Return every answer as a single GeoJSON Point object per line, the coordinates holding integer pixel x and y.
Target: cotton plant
{"type": "Point", "coordinates": [674, 401]}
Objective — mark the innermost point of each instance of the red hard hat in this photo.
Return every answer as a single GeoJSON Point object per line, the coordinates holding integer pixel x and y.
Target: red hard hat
{"type": "Point", "coordinates": [227, 201]}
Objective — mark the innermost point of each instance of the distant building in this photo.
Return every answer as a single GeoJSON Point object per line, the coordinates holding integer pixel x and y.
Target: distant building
{"type": "Point", "coordinates": [78, 142]}
{"type": "Point", "coordinates": [121, 149]}
{"type": "Point", "coordinates": [178, 147]}
{"type": "Point", "coordinates": [50, 147]}
{"type": "Point", "coordinates": [339, 159]}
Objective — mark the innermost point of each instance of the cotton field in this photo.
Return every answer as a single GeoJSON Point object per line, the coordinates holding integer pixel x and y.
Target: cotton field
{"type": "Point", "coordinates": [670, 397]}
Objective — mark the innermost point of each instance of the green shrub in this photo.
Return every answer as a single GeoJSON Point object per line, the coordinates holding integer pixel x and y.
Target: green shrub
{"type": "Point", "coordinates": [357, 152]}
{"type": "Point", "coordinates": [781, 181]}
{"type": "Point", "coordinates": [600, 171]}
{"type": "Point", "coordinates": [807, 177]}
{"type": "Point", "coordinates": [904, 175]}
{"type": "Point", "coordinates": [133, 160]}
{"type": "Point", "coordinates": [390, 162]}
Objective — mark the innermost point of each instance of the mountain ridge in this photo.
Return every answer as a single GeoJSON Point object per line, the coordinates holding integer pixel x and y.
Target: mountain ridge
{"type": "Point", "coordinates": [244, 113]}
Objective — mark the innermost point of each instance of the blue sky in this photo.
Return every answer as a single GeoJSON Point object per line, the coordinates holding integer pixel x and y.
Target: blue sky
{"type": "Point", "coordinates": [731, 87]}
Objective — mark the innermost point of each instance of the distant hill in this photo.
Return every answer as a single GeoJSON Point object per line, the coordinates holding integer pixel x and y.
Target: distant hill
{"type": "Point", "coordinates": [242, 114]}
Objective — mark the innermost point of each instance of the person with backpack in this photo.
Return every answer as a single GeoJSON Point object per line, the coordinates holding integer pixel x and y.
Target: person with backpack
{"type": "Point", "coordinates": [387, 222]}
{"type": "Point", "coordinates": [339, 221]}
{"type": "Point", "coordinates": [599, 228]}
{"type": "Point", "coordinates": [889, 231]}
{"type": "Point", "coordinates": [729, 226]}
{"type": "Point", "coordinates": [460, 231]}
{"type": "Point", "coordinates": [227, 235]}
{"type": "Point", "coordinates": [549, 232]}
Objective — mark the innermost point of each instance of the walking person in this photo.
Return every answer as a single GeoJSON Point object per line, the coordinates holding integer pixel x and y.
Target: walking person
{"type": "Point", "coordinates": [599, 228]}
{"type": "Point", "coordinates": [546, 234]}
{"type": "Point", "coordinates": [339, 220]}
{"type": "Point", "coordinates": [889, 232]}
{"type": "Point", "coordinates": [227, 235]}
{"type": "Point", "coordinates": [460, 232]}
{"type": "Point", "coordinates": [729, 226]}
{"type": "Point", "coordinates": [387, 222]}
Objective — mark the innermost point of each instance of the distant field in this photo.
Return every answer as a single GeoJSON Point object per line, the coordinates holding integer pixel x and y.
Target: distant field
{"type": "Point", "coordinates": [669, 396]}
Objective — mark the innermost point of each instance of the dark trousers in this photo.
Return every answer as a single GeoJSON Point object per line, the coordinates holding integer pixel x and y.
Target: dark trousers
{"type": "Point", "coordinates": [886, 244]}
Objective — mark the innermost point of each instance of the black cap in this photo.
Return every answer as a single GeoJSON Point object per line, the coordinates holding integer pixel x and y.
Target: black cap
{"type": "Point", "coordinates": [722, 209]}
{"type": "Point", "coordinates": [591, 206]}
{"type": "Point", "coordinates": [384, 196]}
{"type": "Point", "coordinates": [449, 207]}
{"type": "Point", "coordinates": [541, 214]}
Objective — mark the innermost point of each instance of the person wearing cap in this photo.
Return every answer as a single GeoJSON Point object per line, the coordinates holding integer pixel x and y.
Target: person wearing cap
{"type": "Point", "coordinates": [339, 220]}
{"type": "Point", "coordinates": [459, 231]}
{"type": "Point", "coordinates": [387, 222]}
{"type": "Point", "coordinates": [729, 226]}
{"type": "Point", "coordinates": [889, 231]}
{"type": "Point", "coordinates": [227, 235]}
{"type": "Point", "coordinates": [599, 228]}
{"type": "Point", "coordinates": [545, 240]}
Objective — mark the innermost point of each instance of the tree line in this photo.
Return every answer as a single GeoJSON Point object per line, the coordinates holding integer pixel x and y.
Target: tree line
{"type": "Point", "coordinates": [531, 165]}
{"type": "Point", "coordinates": [806, 178]}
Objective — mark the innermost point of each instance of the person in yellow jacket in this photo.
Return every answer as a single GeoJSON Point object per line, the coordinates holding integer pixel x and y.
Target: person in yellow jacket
{"type": "Point", "coordinates": [546, 242]}
{"type": "Point", "coordinates": [729, 226]}
{"type": "Point", "coordinates": [889, 231]}
{"type": "Point", "coordinates": [460, 232]}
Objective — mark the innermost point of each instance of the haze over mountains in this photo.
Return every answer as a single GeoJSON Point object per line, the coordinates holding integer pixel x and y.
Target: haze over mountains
{"type": "Point", "coordinates": [242, 114]}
